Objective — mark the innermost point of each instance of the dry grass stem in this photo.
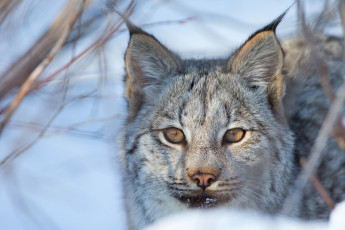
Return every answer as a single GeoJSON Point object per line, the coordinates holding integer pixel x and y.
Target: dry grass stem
{"type": "Point", "coordinates": [98, 43]}
{"type": "Point", "coordinates": [332, 118]}
{"type": "Point", "coordinates": [323, 70]}
{"type": "Point", "coordinates": [317, 148]}
{"type": "Point", "coordinates": [319, 188]}
{"type": "Point", "coordinates": [339, 130]}
{"type": "Point", "coordinates": [17, 73]}
{"type": "Point", "coordinates": [75, 8]}
{"type": "Point", "coordinates": [72, 129]}
{"type": "Point", "coordinates": [6, 7]}
{"type": "Point", "coordinates": [13, 155]}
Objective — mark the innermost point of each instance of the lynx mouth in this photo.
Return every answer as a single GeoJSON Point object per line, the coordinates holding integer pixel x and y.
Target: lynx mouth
{"type": "Point", "coordinates": [203, 201]}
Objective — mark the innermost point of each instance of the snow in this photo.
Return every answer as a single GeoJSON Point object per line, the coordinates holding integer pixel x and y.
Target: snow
{"type": "Point", "coordinates": [70, 178]}
{"type": "Point", "coordinates": [337, 220]}
{"type": "Point", "coordinates": [225, 219]}
{"type": "Point", "coordinates": [229, 219]}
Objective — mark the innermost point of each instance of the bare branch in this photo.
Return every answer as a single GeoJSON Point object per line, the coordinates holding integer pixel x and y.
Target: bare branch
{"type": "Point", "coordinates": [98, 43]}
{"type": "Point", "coordinates": [17, 73]}
{"type": "Point", "coordinates": [77, 7]}
{"type": "Point", "coordinates": [319, 188]}
{"type": "Point", "coordinates": [21, 150]}
{"type": "Point", "coordinates": [316, 150]}
{"type": "Point", "coordinates": [6, 7]}
{"type": "Point", "coordinates": [56, 130]}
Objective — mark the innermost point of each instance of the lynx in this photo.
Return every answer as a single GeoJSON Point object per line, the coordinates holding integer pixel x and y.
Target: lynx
{"type": "Point", "coordinates": [226, 132]}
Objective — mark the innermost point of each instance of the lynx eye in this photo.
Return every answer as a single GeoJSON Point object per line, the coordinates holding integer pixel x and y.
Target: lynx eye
{"type": "Point", "coordinates": [233, 136]}
{"type": "Point", "coordinates": [174, 135]}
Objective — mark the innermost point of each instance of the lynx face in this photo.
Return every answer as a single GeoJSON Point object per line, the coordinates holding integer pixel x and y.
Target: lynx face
{"type": "Point", "coordinates": [205, 133]}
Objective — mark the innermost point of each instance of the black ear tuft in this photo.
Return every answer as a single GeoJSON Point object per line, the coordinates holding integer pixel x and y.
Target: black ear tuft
{"type": "Point", "coordinates": [260, 61]}
{"type": "Point", "coordinates": [272, 26]}
{"type": "Point", "coordinates": [148, 65]}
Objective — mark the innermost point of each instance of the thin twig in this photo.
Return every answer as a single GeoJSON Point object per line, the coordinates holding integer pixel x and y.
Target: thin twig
{"type": "Point", "coordinates": [24, 206]}
{"type": "Point", "coordinates": [73, 126]}
{"type": "Point", "coordinates": [31, 79]}
{"type": "Point", "coordinates": [99, 42]}
{"type": "Point", "coordinates": [18, 152]}
{"type": "Point", "coordinates": [6, 7]}
{"type": "Point", "coordinates": [166, 22]}
{"type": "Point", "coordinates": [319, 188]}
{"type": "Point", "coordinates": [21, 150]}
{"type": "Point", "coordinates": [323, 135]}
{"type": "Point", "coordinates": [316, 150]}
{"type": "Point", "coordinates": [323, 70]}
{"type": "Point", "coordinates": [317, 59]}
{"type": "Point", "coordinates": [42, 82]}
{"type": "Point", "coordinates": [55, 130]}
{"type": "Point", "coordinates": [40, 68]}
{"type": "Point", "coordinates": [17, 73]}
{"type": "Point", "coordinates": [339, 130]}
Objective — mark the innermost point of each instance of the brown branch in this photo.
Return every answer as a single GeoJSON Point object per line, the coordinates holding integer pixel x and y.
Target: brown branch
{"type": "Point", "coordinates": [74, 126]}
{"type": "Point", "coordinates": [75, 8]}
{"type": "Point", "coordinates": [17, 73]}
{"type": "Point", "coordinates": [31, 79]}
{"type": "Point", "coordinates": [55, 130]}
{"type": "Point", "coordinates": [322, 67]}
{"type": "Point", "coordinates": [316, 57]}
{"type": "Point", "coordinates": [21, 150]}
{"type": "Point", "coordinates": [331, 119]}
{"type": "Point", "coordinates": [13, 155]}
{"type": "Point", "coordinates": [166, 22]}
{"type": "Point", "coordinates": [99, 42]}
{"type": "Point", "coordinates": [316, 151]}
{"type": "Point", "coordinates": [41, 83]}
{"type": "Point", "coordinates": [319, 188]}
{"type": "Point", "coordinates": [324, 132]}
{"type": "Point", "coordinates": [6, 7]}
{"type": "Point", "coordinates": [339, 133]}
{"type": "Point", "coordinates": [342, 13]}
{"type": "Point", "coordinates": [323, 70]}
{"type": "Point", "coordinates": [339, 130]}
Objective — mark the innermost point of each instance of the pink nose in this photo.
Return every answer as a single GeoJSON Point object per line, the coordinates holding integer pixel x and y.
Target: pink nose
{"type": "Point", "coordinates": [204, 180]}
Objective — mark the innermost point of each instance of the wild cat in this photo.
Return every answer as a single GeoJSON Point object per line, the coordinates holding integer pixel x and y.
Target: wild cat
{"type": "Point", "coordinates": [217, 133]}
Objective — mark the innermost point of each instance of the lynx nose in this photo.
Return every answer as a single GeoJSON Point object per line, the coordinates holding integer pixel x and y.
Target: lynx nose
{"type": "Point", "coordinates": [204, 180]}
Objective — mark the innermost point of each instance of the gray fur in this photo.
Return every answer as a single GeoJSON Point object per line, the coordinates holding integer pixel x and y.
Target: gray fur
{"type": "Point", "coordinates": [204, 98]}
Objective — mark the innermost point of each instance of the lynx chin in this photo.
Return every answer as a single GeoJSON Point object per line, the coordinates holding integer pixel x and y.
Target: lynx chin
{"type": "Point", "coordinates": [227, 132]}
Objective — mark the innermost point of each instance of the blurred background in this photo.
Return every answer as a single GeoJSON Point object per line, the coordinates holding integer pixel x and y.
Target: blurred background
{"type": "Point", "coordinates": [61, 94]}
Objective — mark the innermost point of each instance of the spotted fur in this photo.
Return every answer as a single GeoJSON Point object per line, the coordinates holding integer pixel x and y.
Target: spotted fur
{"type": "Point", "coordinates": [205, 98]}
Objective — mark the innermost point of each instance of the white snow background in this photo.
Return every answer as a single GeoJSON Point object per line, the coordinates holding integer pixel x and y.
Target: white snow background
{"type": "Point", "coordinates": [70, 178]}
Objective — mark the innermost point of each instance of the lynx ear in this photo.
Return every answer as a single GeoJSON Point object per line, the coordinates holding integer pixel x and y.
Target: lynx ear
{"type": "Point", "coordinates": [148, 65]}
{"type": "Point", "coordinates": [260, 61]}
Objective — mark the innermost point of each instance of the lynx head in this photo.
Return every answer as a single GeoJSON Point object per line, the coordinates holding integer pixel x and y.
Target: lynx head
{"type": "Point", "coordinates": [204, 133]}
